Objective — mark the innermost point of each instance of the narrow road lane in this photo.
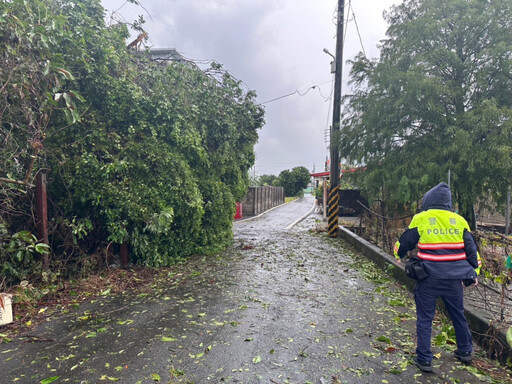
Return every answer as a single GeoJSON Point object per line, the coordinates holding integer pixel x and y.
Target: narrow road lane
{"type": "Point", "coordinates": [279, 218]}
{"type": "Point", "coordinates": [282, 305]}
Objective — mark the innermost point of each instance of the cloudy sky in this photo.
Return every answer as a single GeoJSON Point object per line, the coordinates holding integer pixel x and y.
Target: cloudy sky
{"type": "Point", "coordinates": [276, 48]}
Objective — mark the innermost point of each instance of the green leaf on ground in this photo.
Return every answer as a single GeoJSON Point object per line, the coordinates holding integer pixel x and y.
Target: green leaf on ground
{"type": "Point", "coordinates": [50, 380]}
{"type": "Point", "coordinates": [384, 339]}
{"type": "Point", "coordinates": [396, 303]}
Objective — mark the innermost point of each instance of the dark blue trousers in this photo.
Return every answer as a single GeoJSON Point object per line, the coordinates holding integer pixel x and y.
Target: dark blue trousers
{"type": "Point", "coordinates": [426, 293]}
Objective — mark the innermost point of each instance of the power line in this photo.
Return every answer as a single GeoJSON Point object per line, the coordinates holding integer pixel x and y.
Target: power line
{"type": "Point", "coordinates": [280, 97]}
{"type": "Point", "coordinates": [300, 93]}
{"type": "Point", "coordinates": [357, 26]}
{"type": "Point", "coordinates": [326, 132]}
{"type": "Point", "coordinates": [326, 98]}
{"type": "Point", "coordinates": [350, 9]}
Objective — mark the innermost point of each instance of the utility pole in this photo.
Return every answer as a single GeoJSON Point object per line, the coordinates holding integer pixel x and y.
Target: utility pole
{"type": "Point", "coordinates": [334, 196]}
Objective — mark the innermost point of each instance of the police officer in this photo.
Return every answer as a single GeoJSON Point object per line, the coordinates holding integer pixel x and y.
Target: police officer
{"type": "Point", "coordinates": [448, 258]}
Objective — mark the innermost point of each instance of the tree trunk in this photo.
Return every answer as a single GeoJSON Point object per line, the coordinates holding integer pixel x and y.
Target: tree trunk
{"type": "Point", "coordinates": [467, 210]}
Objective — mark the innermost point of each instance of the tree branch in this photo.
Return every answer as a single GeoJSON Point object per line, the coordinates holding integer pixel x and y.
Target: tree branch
{"type": "Point", "coordinates": [10, 181]}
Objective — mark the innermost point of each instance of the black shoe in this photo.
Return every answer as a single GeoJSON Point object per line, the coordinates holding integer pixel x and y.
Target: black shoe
{"type": "Point", "coordinates": [464, 357]}
{"type": "Point", "coordinates": [425, 366]}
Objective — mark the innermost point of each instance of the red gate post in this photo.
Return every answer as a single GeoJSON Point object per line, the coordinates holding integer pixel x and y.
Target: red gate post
{"type": "Point", "coordinates": [124, 255]}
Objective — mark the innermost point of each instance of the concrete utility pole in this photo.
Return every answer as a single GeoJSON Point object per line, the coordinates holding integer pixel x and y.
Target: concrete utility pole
{"type": "Point", "coordinates": [334, 197]}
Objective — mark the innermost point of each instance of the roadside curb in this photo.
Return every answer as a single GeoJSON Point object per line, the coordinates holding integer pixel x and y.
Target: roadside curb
{"type": "Point", "coordinates": [485, 332]}
{"type": "Point", "coordinates": [277, 206]}
{"type": "Point", "coordinates": [303, 217]}
{"type": "Point", "coordinates": [259, 215]}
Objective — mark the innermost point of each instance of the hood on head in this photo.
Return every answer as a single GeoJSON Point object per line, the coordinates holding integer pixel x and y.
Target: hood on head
{"type": "Point", "coordinates": [439, 197]}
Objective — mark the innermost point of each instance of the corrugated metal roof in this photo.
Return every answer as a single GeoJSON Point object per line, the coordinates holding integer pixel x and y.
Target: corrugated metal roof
{"type": "Point", "coordinates": [164, 54]}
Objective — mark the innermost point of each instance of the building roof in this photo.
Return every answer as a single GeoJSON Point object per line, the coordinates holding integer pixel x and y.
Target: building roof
{"type": "Point", "coordinates": [320, 174]}
{"type": "Point", "coordinates": [327, 174]}
{"type": "Point", "coordinates": [164, 54]}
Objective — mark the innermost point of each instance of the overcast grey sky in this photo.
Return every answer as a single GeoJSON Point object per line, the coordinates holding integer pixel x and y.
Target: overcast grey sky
{"type": "Point", "coordinates": [275, 48]}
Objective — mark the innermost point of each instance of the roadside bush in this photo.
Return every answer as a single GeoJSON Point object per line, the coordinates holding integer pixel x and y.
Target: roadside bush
{"type": "Point", "coordinates": [19, 255]}
{"type": "Point", "coordinates": [154, 156]}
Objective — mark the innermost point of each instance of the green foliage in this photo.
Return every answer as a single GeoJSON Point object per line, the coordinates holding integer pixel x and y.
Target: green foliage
{"type": "Point", "coordinates": [268, 180]}
{"type": "Point", "coordinates": [319, 192]}
{"type": "Point", "coordinates": [79, 228]}
{"type": "Point", "coordinates": [445, 337]}
{"type": "Point", "coordinates": [19, 254]}
{"type": "Point", "coordinates": [294, 181]}
{"type": "Point", "coordinates": [439, 99]}
{"type": "Point", "coordinates": [219, 208]}
{"type": "Point", "coordinates": [151, 155]}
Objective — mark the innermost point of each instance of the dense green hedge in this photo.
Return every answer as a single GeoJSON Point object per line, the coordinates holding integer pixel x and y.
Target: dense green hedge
{"type": "Point", "coordinates": [135, 152]}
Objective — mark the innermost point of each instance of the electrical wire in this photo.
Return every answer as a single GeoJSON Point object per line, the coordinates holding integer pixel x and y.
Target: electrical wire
{"type": "Point", "coordinates": [279, 98]}
{"type": "Point", "coordinates": [221, 71]}
{"type": "Point", "coordinates": [350, 8]}
{"type": "Point", "coordinates": [300, 93]}
{"type": "Point", "coordinates": [326, 98]}
{"type": "Point", "coordinates": [328, 115]}
{"type": "Point", "coordinates": [116, 12]}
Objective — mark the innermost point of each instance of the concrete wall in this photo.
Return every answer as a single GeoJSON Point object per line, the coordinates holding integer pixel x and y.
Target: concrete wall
{"type": "Point", "coordinates": [261, 199]}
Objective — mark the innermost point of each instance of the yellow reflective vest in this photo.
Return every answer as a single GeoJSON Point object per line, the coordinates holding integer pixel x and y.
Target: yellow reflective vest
{"type": "Point", "coordinates": [440, 237]}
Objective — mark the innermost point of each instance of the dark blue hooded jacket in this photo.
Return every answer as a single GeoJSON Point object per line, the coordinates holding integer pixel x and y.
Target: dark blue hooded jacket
{"type": "Point", "coordinates": [440, 197]}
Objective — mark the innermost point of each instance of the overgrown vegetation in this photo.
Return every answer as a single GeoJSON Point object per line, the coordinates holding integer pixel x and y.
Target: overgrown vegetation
{"type": "Point", "coordinates": [138, 153]}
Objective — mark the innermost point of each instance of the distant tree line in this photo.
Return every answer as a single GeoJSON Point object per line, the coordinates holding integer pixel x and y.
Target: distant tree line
{"type": "Point", "coordinates": [138, 153]}
{"type": "Point", "coordinates": [293, 181]}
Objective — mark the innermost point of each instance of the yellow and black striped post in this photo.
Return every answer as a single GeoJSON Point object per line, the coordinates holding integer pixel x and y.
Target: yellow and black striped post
{"type": "Point", "coordinates": [334, 207]}
{"type": "Point", "coordinates": [334, 203]}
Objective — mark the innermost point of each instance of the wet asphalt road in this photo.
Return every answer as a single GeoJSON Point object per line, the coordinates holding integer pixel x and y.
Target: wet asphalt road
{"type": "Point", "coordinates": [284, 304]}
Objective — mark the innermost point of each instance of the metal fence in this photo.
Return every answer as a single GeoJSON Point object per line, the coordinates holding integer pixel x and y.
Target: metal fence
{"type": "Point", "coordinates": [493, 295]}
